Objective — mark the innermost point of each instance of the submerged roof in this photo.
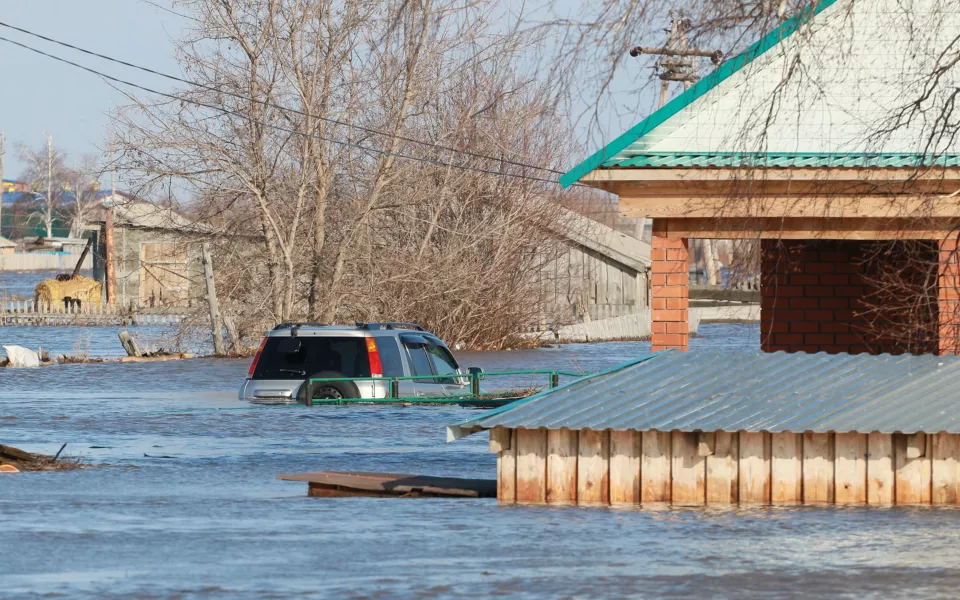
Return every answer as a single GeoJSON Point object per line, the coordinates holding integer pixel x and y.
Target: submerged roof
{"type": "Point", "coordinates": [832, 86]}
{"type": "Point", "coordinates": [720, 390]}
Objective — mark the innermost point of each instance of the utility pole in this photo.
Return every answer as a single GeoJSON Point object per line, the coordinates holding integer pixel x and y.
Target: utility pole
{"type": "Point", "coordinates": [109, 267]}
{"type": "Point", "coordinates": [677, 62]}
{"type": "Point", "coordinates": [216, 323]}
{"type": "Point", "coordinates": [3, 150]}
{"type": "Point", "coordinates": [49, 215]}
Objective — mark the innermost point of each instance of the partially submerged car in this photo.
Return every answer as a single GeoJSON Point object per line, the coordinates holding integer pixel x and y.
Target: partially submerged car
{"type": "Point", "coordinates": [371, 353]}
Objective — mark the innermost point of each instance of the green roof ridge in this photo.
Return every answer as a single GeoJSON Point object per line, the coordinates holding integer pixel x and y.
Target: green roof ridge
{"type": "Point", "coordinates": [697, 90]}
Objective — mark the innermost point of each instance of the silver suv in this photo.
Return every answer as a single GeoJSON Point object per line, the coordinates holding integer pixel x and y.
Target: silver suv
{"type": "Point", "coordinates": [294, 352]}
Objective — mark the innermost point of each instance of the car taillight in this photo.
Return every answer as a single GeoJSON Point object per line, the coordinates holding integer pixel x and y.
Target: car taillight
{"type": "Point", "coordinates": [256, 357]}
{"type": "Point", "coordinates": [376, 369]}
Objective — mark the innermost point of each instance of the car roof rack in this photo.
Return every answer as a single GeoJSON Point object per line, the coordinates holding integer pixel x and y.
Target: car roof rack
{"type": "Point", "coordinates": [390, 325]}
{"type": "Point", "coordinates": [291, 324]}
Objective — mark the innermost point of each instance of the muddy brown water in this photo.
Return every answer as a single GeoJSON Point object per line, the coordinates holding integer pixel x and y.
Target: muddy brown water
{"type": "Point", "coordinates": [187, 505]}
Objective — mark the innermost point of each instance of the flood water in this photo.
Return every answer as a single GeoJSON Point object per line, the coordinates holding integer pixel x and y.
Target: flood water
{"type": "Point", "coordinates": [183, 503]}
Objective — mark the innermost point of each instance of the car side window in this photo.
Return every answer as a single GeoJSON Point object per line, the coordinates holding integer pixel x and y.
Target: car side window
{"type": "Point", "coordinates": [419, 362]}
{"type": "Point", "coordinates": [390, 357]}
{"type": "Point", "coordinates": [443, 363]}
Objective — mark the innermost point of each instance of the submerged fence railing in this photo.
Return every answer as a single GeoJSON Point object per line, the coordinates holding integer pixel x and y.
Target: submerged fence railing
{"type": "Point", "coordinates": [30, 313]}
{"type": "Point", "coordinates": [389, 389]}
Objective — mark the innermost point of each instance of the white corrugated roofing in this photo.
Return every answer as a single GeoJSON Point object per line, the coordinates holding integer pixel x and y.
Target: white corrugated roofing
{"type": "Point", "coordinates": [750, 391]}
{"type": "Point", "coordinates": [834, 86]}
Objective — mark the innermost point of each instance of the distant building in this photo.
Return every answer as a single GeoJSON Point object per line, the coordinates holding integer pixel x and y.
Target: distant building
{"type": "Point", "coordinates": [6, 246]}
{"type": "Point", "coordinates": [156, 250]}
{"type": "Point", "coordinates": [12, 185]}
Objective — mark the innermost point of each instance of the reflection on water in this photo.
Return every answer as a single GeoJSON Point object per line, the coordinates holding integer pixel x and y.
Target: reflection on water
{"type": "Point", "coordinates": [186, 505]}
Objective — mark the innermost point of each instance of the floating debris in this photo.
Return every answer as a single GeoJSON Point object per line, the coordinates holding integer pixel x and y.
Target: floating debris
{"type": "Point", "coordinates": [27, 461]}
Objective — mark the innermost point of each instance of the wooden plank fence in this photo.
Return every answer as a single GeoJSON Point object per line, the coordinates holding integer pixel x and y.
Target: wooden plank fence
{"type": "Point", "coordinates": [563, 466]}
{"type": "Point", "coordinates": [29, 313]}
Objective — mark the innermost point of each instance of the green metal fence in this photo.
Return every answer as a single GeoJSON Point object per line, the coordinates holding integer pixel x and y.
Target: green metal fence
{"type": "Point", "coordinates": [473, 397]}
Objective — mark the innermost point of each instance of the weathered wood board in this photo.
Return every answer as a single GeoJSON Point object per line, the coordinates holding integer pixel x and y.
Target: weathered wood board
{"type": "Point", "coordinates": [688, 470]}
{"type": "Point", "coordinates": [723, 466]}
{"type": "Point", "coordinates": [786, 468]}
{"type": "Point", "coordinates": [562, 452]}
{"type": "Point", "coordinates": [655, 467]}
{"type": "Point", "coordinates": [625, 455]}
{"type": "Point", "coordinates": [726, 468]}
{"type": "Point", "coordinates": [336, 484]}
{"type": "Point", "coordinates": [850, 468]}
{"type": "Point", "coordinates": [532, 465]}
{"type": "Point", "coordinates": [593, 467]}
{"type": "Point", "coordinates": [754, 468]}
{"type": "Point", "coordinates": [818, 457]}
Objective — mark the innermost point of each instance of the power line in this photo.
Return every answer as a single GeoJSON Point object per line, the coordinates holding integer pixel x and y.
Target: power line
{"type": "Point", "coordinates": [272, 126]}
{"type": "Point", "coordinates": [270, 104]}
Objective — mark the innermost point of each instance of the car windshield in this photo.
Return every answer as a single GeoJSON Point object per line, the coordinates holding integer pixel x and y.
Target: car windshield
{"type": "Point", "coordinates": [346, 356]}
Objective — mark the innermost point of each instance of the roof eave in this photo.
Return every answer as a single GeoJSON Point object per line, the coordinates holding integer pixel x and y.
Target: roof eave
{"type": "Point", "coordinates": [697, 90]}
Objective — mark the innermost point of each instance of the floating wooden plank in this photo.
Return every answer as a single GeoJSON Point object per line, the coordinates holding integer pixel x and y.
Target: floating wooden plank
{"type": "Point", "coordinates": [786, 468]}
{"type": "Point", "coordinates": [754, 468]}
{"type": "Point", "coordinates": [625, 467]}
{"type": "Point", "coordinates": [913, 475]}
{"type": "Point", "coordinates": [880, 471]}
{"type": "Point", "coordinates": [818, 454]}
{"type": "Point", "coordinates": [689, 470]}
{"type": "Point", "coordinates": [507, 471]}
{"type": "Point", "coordinates": [945, 468]}
{"type": "Point", "coordinates": [531, 465]}
{"type": "Point", "coordinates": [850, 468]}
{"type": "Point", "coordinates": [562, 450]}
{"type": "Point", "coordinates": [655, 467]}
{"type": "Point", "coordinates": [593, 468]}
{"type": "Point", "coordinates": [722, 468]}
{"type": "Point", "coordinates": [334, 484]}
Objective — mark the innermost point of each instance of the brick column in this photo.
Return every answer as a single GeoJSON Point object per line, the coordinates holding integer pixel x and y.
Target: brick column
{"type": "Point", "coordinates": [949, 297]}
{"type": "Point", "coordinates": [669, 294]}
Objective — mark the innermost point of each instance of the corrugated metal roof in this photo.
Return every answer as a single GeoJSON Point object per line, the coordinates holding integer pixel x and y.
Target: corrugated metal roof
{"type": "Point", "coordinates": [751, 391]}
{"type": "Point", "coordinates": [782, 160]}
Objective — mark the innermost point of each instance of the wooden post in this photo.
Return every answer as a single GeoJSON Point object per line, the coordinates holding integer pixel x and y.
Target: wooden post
{"type": "Point", "coordinates": [109, 266]}
{"type": "Point", "coordinates": [3, 150]}
{"type": "Point", "coordinates": [129, 344]}
{"type": "Point", "coordinates": [216, 324]}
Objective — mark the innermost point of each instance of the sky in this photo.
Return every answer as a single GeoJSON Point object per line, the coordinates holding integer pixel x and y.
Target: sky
{"type": "Point", "coordinates": [40, 96]}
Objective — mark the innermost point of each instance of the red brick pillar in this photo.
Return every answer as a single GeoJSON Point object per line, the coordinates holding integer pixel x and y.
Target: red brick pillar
{"type": "Point", "coordinates": [949, 297]}
{"type": "Point", "coordinates": [669, 294]}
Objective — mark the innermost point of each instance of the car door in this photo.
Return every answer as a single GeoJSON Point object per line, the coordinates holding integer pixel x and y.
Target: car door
{"type": "Point", "coordinates": [421, 366]}
{"type": "Point", "coordinates": [447, 369]}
